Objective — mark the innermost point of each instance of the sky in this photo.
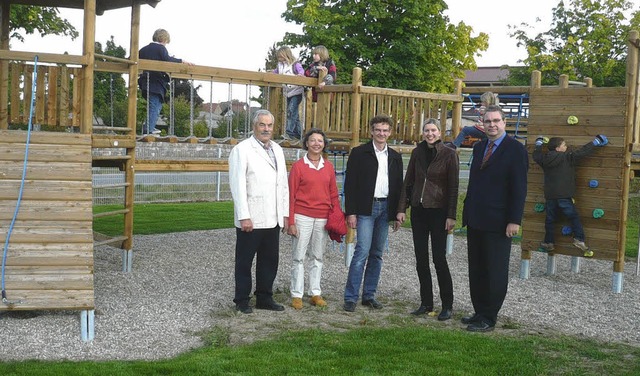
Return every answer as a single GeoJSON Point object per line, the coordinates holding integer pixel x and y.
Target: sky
{"type": "Point", "coordinates": [238, 34]}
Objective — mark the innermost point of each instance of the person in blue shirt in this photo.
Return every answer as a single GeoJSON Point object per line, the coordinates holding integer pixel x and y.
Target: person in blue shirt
{"type": "Point", "coordinates": [154, 84]}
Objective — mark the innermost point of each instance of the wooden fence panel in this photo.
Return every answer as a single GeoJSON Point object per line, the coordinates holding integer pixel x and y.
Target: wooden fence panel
{"type": "Point", "coordinates": [50, 254]}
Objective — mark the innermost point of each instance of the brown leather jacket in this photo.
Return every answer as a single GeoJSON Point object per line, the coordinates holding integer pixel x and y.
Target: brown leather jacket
{"type": "Point", "coordinates": [437, 187]}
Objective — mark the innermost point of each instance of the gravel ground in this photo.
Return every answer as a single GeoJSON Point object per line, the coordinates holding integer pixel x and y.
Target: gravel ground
{"type": "Point", "coordinates": [182, 286]}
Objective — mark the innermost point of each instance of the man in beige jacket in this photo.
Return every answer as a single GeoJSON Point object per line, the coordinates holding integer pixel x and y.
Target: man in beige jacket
{"type": "Point", "coordinates": [259, 186]}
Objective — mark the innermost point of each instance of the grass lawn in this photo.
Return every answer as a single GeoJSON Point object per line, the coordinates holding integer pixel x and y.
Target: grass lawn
{"type": "Point", "coordinates": [395, 350]}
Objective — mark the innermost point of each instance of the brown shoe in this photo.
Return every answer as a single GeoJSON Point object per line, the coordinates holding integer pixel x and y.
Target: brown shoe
{"type": "Point", "coordinates": [317, 301]}
{"type": "Point", "coordinates": [296, 303]}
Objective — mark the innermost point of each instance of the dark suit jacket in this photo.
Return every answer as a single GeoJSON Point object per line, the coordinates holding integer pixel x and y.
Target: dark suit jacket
{"type": "Point", "coordinates": [360, 180]}
{"type": "Point", "coordinates": [158, 81]}
{"type": "Point", "coordinates": [496, 193]}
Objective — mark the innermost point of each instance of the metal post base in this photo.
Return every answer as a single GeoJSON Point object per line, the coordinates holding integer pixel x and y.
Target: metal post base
{"type": "Point", "coordinates": [86, 325]}
{"type": "Point", "coordinates": [551, 265]}
{"type": "Point", "coordinates": [617, 282]}
{"type": "Point", "coordinates": [127, 260]}
{"type": "Point", "coordinates": [575, 264]}
{"type": "Point", "coordinates": [524, 269]}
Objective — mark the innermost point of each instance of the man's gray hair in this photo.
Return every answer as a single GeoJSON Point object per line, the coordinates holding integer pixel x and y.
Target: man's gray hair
{"type": "Point", "coordinates": [259, 113]}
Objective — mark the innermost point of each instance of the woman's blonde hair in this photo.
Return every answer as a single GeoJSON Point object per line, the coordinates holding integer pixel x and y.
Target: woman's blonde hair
{"type": "Point", "coordinates": [285, 53]}
{"type": "Point", "coordinates": [322, 52]}
{"type": "Point", "coordinates": [489, 98]}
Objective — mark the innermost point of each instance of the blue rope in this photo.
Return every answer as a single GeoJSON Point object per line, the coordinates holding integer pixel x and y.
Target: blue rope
{"type": "Point", "coordinates": [24, 174]}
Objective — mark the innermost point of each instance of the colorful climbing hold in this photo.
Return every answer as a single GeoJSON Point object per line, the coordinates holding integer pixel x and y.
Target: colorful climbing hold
{"type": "Point", "coordinates": [598, 213]}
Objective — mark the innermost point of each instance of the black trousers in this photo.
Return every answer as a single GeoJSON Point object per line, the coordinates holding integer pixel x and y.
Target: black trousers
{"type": "Point", "coordinates": [489, 254]}
{"type": "Point", "coordinates": [265, 243]}
{"type": "Point", "coordinates": [427, 223]}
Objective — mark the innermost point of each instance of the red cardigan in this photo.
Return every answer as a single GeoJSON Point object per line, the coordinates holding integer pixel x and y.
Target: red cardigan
{"type": "Point", "coordinates": [312, 192]}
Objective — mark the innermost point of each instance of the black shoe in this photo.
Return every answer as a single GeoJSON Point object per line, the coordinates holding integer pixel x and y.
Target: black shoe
{"type": "Point", "coordinates": [372, 303]}
{"type": "Point", "coordinates": [421, 310]}
{"type": "Point", "coordinates": [480, 327]}
{"type": "Point", "coordinates": [445, 314]}
{"type": "Point", "coordinates": [469, 319]}
{"type": "Point", "coordinates": [271, 306]}
{"type": "Point", "coordinates": [349, 306]}
{"type": "Point", "coordinates": [244, 308]}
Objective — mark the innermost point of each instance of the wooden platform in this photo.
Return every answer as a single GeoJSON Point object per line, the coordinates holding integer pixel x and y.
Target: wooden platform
{"type": "Point", "coordinates": [49, 261]}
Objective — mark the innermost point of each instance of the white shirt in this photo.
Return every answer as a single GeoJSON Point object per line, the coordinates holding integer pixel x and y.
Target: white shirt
{"type": "Point", "coordinates": [310, 164]}
{"type": "Point", "coordinates": [382, 180]}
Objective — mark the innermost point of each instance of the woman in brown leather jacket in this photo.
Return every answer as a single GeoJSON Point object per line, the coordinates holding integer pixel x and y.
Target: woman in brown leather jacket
{"type": "Point", "coordinates": [431, 188]}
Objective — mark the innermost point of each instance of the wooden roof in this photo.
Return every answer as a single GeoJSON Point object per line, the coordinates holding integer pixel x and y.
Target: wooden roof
{"type": "Point", "coordinates": [101, 5]}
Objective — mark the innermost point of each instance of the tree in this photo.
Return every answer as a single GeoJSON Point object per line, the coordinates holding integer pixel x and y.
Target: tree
{"type": "Point", "coordinates": [43, 19]}
{"type": "Point", "coordinates": [110, 89]}
{"type": "Point", "coordinates": [403, 44]}
{"type": "Point", "coordinates": [586, 39]}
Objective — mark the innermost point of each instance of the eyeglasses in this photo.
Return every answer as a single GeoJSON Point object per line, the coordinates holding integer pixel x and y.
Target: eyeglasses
{"type": "Point", "coordinates": [494, 121]}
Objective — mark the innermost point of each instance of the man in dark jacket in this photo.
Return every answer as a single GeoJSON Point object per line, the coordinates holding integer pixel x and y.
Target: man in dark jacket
{"type": "Point", "coordinates": [372, 188]}
{"type": "Point", "coordinates": [154, 84]}
{"type": "Point", "coordinates": [559, 168]}
{"type": "Point", "coordinates": [492, 213]}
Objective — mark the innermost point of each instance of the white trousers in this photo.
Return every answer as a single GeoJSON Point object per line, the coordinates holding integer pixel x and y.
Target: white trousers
{"type": "Point", "coordinates": [311, 240]}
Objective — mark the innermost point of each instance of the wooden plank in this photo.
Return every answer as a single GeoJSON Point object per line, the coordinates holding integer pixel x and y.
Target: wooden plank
{"type": "Point", "coordinates": [53, 236]}
{"type": "Point", "coordinates": [49, 138]}
{"type": "Point", "coordinates": [41, 191]}
{"type": "Point", "coordinates": [20, 271]}
{"type": "Point", "coordinates": [27, 73]}
{"type": "Point", "coordinates": [15, 92]}
{"type": "Point", "coordinates": [63, 109]}
{"type": "Point", "coordinates": [77, 96]}
{"type": "Point", "coordinates": [47, 171]}
{"type": "Point", "coordinates": [584, 120]}
{"type": "Point", "coordinates": [49, 281]}
{"type": "Point", "coordinates": [52, 97]}
{"type": "Point", "coordinates": [596, 92]}
{"type": "Point", "coordinates": [33, 214]}
{"type": "Point", "coordinates": [42, 153]}
{"type": "Point", "coordinates": [31, 299]}
{"type": "Point", "coordinates": [40, 94]}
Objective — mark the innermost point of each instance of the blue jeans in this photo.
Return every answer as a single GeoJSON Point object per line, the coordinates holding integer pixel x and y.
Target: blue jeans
{"type": "Point", "coordinates": [293, 119]}
{"type": "Point", "coordinates": [155, 105]}
{"type": "Point", "coordinates": [569, 210]}
{"type": "Point", "coordinates": [372, 231]}
{"type": "Point", "coordinates": [470, 131]}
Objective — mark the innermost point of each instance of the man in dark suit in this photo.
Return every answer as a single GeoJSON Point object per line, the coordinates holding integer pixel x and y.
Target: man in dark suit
{"type": "Point", "coordinates": [492, 213]}
{"type": "Point", "coordinates": [154, 84]}
{"type": "Point", "coordinates": [372, 189]}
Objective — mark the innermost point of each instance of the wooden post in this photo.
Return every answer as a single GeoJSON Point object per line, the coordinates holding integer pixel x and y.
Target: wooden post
{"type": "Point", "coordinates": [588, 81]}
{"type": "Point", "coordinates": [356, 82]}
{"type": "Point", "coordinates": [88, 51]}
{"type": "Point", "coordinates": [633, 83]}
{"type": "Point", "coordinates": [564, 81]}
{"type": "Point", "coordinates": [129, 166]}
{"type": "Point", "coordinates": [456, 115]}
{"type": "Point", "coordinates": [536, 79]}
{"type": "Point", "coordinates": [4, 65]}
{"type": "Point", "coordinates": [631, 123]}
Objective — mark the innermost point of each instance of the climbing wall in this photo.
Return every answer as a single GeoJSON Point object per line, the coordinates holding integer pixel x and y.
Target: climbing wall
{"type": "Point", "coordinates": [49, 260]}
{"type": "Point", "coordinates": [602, 178]}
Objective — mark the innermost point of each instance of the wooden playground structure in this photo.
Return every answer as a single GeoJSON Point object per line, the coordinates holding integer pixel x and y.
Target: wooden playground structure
{"type": "Point", "coordinates": [49, 259]}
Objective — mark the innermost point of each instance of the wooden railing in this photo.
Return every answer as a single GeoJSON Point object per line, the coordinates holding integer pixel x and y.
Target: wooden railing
{"type": "Point", "coordinates": [342, 111]}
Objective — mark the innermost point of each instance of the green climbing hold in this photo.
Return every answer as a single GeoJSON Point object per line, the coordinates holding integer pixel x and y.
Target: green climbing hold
{"type": "Point", "coordinates": [598, 213]}
{"type": "Point", "coordinates": [539, 208]}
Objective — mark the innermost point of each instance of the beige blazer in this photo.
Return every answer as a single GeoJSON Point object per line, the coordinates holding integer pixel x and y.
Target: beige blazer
{"type": "Point", "coordinates": [260, 191]}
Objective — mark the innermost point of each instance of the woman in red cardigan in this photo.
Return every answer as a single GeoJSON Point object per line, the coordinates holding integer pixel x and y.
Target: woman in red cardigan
{"type": "Point", "coordinates": [312, 193]}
